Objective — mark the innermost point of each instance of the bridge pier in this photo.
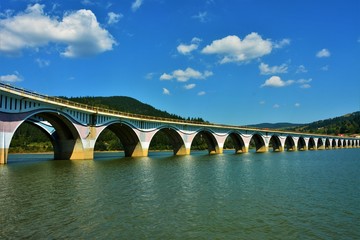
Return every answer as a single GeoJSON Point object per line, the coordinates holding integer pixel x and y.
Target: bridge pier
{"type": "Point", "coordinates": [3, 155]}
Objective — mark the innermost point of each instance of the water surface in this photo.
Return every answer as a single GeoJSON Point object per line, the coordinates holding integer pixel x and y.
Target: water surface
{"type": "Point", "coordinates": [289, 195]}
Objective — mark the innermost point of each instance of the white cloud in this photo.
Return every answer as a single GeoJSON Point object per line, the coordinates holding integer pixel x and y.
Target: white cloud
{"type": "Point", "coordinates": [79, 31]}
{"type": "Point", "coordinates": [149, 75]}
{"type": "Point", "coordinates": [202, 93]}
{"type": "Point", "coordinates": [276, 81]}
{"type": "Point", "coordinates": [114, 17]}
{"type": "Point", "coordinates": [136, 5]}
{"type": "Point", "coordinates": [189, 86]}
{"type": "Point", "coordinates": [301, 69]}
{"type": "Point", "coordinates": [306, 85]}
{"type": "Point", "coordinates": [187, 49]}
{"type": "Point", "coordinates": [323, 53]}
{"type": "Point", "coordinates": [266, 70]}
{"type": "Point", "coordinates": [233, 49]}
{"type": "Point", "coordinates": [201, 16]}
{"type": "Point", "coordinates": [282, 43]}
{"type": "Point", "coordinates": [11, 78]}
{"type": "Point", "coordinates": [276, 106]}
{"type": "Point", "coordinates": [166, 91]}
{"type": "Point", "coordinates": [42, 62]}
{"type": "Point", "coordinates": [262, 102]}
{"type": "Point", "coordinates": [325, 68]}
{"type": "Point", "coordinates": [297, 104]}
{"type": "Point", "coordinates": [303, 81]}
{"type": "Point", "coordinates": [185, 75]}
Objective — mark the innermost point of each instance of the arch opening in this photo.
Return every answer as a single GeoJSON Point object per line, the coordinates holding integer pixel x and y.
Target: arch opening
{"type": "Point", "coordinates": [275, 144]}
{"type": "Point", "coordinates": [289, 144]}
{"type": "Point", "coordinates": [339, 143]}
{"type": "Point", "coordinates": [128, 139]}
{"type": "Point", "coordinates": [67, 142]}
{"type": "Point", "coordinates": [327, 143]}
{"type": "Point", "coordinates": [31, 138]}
{"type": "Point", "coordinates": [234, 141]}
{"type": "Point", "coordinates": [168, 139]}
{"type": "Point", "coordinates": [320, 144]}
{"type": "Point", "coordinates": [64, 137]}
{"type": "Point", "coordinates": [257, 143]}
{"type": "Point", "coordinates": [108, 141]}
{"type": "Point", "coordinates": [301, 144]}
{"type": "Point", "coordinates": [205, 140]}
{"type": "Point", "coordinates": [333, 143]}
{"type": "Point", "coordinates": [311, 144]}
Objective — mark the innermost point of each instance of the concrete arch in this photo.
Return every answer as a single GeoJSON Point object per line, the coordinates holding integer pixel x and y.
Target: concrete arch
{"type": "Point", "coordinates": [128, 138]}
{"type": "Point", "coordinates": [175, 139]}
{"type": "Point", "coordinates": [344, 143]}
{"type": "Point", "coordinates": [289, 144]}
{"type": "Point", "coordinates": [301, 144]}
{"type": "Point", "coordinates": [320, 144]}
{"type": "Point", "coordinates": [238, 142]}
{"type": "Point", "coordinates": [207, 135]}
{"type": "Point", "coordinates": [66, 139]}
{"type": "Point", "coordinates": [311, 144]}
{"type": "Point", "coordinates": [333, 143]}
{"type": "Point", "coordinates": [327, 143]}
{"type": "Point", "coordinates": [259, 143]}
{"type": "Point", "coordinates": [275, 143]}
{"type": "Point", "coordinates": [339, 143]}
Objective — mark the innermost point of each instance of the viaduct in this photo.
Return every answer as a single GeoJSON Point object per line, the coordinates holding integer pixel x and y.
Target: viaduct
{"type": "Point", "coordinates": [74, 128]}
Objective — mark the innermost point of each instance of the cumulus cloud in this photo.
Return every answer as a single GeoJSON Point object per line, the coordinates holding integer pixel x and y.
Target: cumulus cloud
{"type": "Point", "coordinates": [114, 17]}
{"type": "Point", "coordinates": [79, 32]}
{"type": "Point", "coordinates": [136, 5]}
{"type": "Point", "coordinates": [15, 77]}
{"type": "Point", "coordinates": [323, 53]}
{"type": "Point", "coordinates": [265, 69]}
{"type": "Point", "coordinates": [166, 91]}
{"type": "Point", "coordinates": [187, 49]}
{"type": "Point", "coordinates": [276, 81]}
{"type": "Point", "coordinates": [233, 49]}
{"type": "Point", "coordinates": [185, 75]}
{"type": "Point", "coordinates": [189, 86]}
{"type": "Point", "coordinates": [201, 93]}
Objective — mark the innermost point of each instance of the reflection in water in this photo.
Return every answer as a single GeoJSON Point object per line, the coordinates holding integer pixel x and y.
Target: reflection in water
{"type": "Point", "coordinates": [249, 196]}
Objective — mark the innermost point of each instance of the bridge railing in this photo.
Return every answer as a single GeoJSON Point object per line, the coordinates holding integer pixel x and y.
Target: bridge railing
{"type": "Point", "coordinates": [139, 116]}
{"type": "Point", "coordinates": [93, 108]}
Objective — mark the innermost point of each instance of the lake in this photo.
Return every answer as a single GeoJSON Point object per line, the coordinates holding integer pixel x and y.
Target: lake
{"type": "Point", "coordinates": [287, 195]}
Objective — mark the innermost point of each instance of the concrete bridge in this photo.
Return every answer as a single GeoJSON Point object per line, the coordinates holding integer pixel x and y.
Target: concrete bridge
{"type": "Point", "coordinates": [74, 128]}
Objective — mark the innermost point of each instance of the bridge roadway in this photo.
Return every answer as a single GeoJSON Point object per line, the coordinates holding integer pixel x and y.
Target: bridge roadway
{"type": "Point", "coordinates": [74, 128]}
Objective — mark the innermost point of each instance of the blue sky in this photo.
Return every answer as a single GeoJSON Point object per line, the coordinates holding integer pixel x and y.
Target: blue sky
{"type": "Point", "coordinates": [228, 61]}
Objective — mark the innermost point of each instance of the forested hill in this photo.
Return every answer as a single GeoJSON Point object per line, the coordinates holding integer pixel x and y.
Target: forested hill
{"type": "Point", "coordinates": [348, 124]}
{"type": "Point", "coordinates": [128, 105]}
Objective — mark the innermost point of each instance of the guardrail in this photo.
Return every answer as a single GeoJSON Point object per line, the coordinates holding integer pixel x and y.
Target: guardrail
{"type": "Point", "coordinates": [139, 116]}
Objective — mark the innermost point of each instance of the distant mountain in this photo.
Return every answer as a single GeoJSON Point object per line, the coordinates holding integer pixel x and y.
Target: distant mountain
{"type": "Point", "coordinates": [123, 104]}
{"type": "Point", "coordinates": [348, 124]}
{"type": "Point", "coordinates": [128, 105]}
{"type": "Point", "coordinates": [276, 125]}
